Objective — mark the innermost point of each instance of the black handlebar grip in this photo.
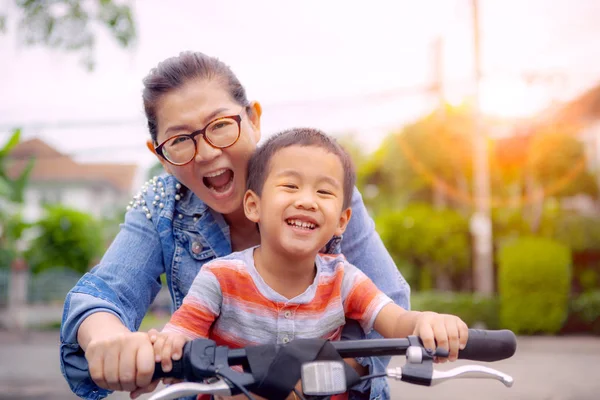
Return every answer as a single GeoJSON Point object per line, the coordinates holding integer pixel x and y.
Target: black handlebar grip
{"type": "Point", "coordinates": [484, 345]}
{"type": "Point", "coordinates": [175, 372]}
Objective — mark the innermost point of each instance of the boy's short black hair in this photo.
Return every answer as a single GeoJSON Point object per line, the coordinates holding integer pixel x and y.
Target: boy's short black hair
{"type": "Point", "coordinates": [259, 164]}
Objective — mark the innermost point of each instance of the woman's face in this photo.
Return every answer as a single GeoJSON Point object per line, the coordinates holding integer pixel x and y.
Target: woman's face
{"type": "Point", "coordinates": [217, 176]}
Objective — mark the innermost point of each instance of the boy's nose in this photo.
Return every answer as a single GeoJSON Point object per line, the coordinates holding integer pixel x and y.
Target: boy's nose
{"type": "Point", "coordinates": [306, 201]}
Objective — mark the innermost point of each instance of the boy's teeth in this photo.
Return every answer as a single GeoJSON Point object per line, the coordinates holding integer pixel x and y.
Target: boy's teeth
{"type": "Point", "coordinates": [301, 224]}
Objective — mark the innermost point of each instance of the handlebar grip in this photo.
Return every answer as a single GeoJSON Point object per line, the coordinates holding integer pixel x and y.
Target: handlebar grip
{"type": "Point", "coordinates": [486, 345]}
{"type": "Point", "coordinates": [175, 372]}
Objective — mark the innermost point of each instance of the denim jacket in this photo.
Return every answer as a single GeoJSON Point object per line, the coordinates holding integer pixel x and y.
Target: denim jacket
{"type": "Point", "coordinates": [169, 230]}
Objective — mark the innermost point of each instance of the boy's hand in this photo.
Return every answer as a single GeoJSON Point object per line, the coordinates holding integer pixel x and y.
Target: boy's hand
{"type": "Point", "coordinates": [448, 331]}
{"type": "Point", "coordinates": [167, 346]}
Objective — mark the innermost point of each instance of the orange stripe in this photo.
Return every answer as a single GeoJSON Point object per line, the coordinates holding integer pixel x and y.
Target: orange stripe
{"type": "Point", "coordinates": [359, 299]}
{"type": "Point", "coordinates": [193, 318]}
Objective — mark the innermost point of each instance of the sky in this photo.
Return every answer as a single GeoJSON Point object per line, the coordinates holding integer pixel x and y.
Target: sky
{"type": "Point", "coordinates": [343, 66]}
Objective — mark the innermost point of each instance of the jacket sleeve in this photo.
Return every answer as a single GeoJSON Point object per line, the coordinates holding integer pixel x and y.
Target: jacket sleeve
{"type": "Point", "coordinates": [362, 247]}
{"type": "Point", "coordinates": [124, 283]}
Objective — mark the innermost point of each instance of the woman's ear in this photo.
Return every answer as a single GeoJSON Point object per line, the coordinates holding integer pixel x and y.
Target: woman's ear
{"type": "Point", "coordinates": [254, 114]}
{"type": "Point", "coordinates": [343, 222]}
{"type": "Point", "coordinates": [252, 206]}
{"type": "Point", "coordinates": [166, 165]}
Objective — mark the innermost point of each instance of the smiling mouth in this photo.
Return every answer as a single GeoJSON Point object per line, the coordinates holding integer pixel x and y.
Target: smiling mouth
{"type": "Point", "coordinates": [296, 223]}
{"type": "Point", "coordinates": [219, 181]}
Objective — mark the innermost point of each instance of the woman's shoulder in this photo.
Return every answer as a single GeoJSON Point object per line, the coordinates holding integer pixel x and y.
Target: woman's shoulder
{"type": "Point", "coordinates": [164, 196]}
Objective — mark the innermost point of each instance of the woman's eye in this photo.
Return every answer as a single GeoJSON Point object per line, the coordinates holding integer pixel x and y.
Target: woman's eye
{"type": "Point", "coordinates": [179, 140]}
{"type": "Point", "coordinates": [220, 125]}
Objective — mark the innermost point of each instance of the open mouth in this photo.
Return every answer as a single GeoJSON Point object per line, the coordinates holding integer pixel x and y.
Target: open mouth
{"type": "Point", "coordinates": [296, 223]}
{"type": "Point", "coordinates": [219, 181]}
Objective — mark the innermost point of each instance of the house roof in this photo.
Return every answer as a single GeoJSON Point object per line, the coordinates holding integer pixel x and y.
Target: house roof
{"type": "Point", "coordinates": [53, 166]}
{"type": "Point", "coordinates": [583, 109]}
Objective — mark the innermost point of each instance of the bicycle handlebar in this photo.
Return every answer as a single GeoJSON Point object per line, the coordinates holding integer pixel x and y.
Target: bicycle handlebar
{"type": "Point", "coordinates": [483, 345]}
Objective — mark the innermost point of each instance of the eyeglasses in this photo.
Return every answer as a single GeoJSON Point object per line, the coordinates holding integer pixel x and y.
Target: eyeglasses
{"type": "Point", "coordinates": [220, 133]}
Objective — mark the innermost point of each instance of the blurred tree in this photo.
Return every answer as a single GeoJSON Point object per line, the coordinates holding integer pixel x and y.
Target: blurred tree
{"type": "Point", "coordinates": [557, 161]}
{"type": "Point", "coordinates": [429, 160]}
{"type": "Point", "coordinates": [435, 241]}
{"type": "Point", "coordinates": [67, 238]}
{"type": "Point", "coordinates": [12, 194]}
{"type": "Point", "coordinates": [70, 25]}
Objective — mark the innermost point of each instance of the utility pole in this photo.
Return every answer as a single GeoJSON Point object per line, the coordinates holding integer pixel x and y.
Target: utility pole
{"type": "Point", "coordinates": [480, 224]}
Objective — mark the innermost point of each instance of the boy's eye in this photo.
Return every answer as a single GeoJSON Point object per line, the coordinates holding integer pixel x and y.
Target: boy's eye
{"type": "Point", "coordinates": [289, 186]}
{"type": "Point", "coordinates": [326, 192]}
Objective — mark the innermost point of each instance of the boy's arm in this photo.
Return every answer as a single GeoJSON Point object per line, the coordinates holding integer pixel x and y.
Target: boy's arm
{"type": "Point", "coordinates": [200, 307]}
{"type": "Point", "coordinates": [395, 322]}
{"type": "Point", "coordinates": [435, 330]}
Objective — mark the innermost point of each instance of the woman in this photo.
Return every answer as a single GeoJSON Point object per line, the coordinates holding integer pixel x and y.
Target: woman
{"type": "Point", "coordinates": [203, 131]}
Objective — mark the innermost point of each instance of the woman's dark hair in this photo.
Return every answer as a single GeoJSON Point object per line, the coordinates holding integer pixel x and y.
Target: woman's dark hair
{"type": "Point", "coordinates": [174, 72]}
{"type": "Point", "coordinates": [259, 164]}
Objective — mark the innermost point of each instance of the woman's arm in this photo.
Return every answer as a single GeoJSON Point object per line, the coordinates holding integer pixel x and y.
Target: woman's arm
{"type": "Point", "coordinates": [362, 247]}
{"type": "Point", "coordinates": [109, 303]}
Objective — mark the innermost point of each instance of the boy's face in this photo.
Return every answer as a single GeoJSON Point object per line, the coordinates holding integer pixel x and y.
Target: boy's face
{"type": "Point", "coordinates": [300, 208]}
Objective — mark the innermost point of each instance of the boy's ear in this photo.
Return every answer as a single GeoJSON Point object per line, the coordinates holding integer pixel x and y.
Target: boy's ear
{"type": "Point", "coordinates": [343, 222]}
{"type": "Point", "coordinates": [252, 206]}
{"type": "Point", "coordinates": [166, 165]}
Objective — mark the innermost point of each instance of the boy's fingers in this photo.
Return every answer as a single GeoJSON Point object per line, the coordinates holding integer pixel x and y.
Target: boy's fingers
{"type": "Point", "coordinates": [166, 353]}
{"type": "Point", "coordinates": [463, 331]}
{"type": "Point", "coordinates": [439, 331]}
{"type": "Point", "coordinates": [453, 339]}
{"type": "Point", "coordinates": [178, 344]}
{"type": "Point", "coordinates": [158, 346]}
{"type": "Point", "coordinates": [426, 335]}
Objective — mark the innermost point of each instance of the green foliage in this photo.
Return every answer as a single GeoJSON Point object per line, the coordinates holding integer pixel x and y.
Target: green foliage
{"type": "Point", "coordinates": [67, 238]}
{"type": "Point", "coordinates": [69, 25]}
{"type": "Point", "coordinates": [557, 160]}
{"type": "Point", "coordinates": [437, 240]}
{"type": "Point", "coordinates": [534, 281]}
{"type": "Point", "coordinates": [578, 232]}
{"type": "Point", "coordinates": [434, 152]}
{"type": "Point", "coordinates": [589, 280]}
{"type": "Point", "coordinates": [587, 306]}
{"type": "Point", "coordinates": [471, 308]}
{"type": "Point", "coordinates": [13, 189]}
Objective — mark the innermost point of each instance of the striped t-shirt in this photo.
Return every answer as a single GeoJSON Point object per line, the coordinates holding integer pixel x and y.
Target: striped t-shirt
{"type": "Point", "coordinates": [230, 303]}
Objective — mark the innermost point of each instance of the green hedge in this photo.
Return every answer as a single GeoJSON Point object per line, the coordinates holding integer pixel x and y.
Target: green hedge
{"type": "Point", "coordinates": [587, 308]}
{"type": "Point", "coordinates": [534, 276]}
{"type": "Point", "coordinates": [472, 308]}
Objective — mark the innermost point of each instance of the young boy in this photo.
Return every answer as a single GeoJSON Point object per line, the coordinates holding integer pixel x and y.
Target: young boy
{"type": "Point", "coordinates": [300, 183]}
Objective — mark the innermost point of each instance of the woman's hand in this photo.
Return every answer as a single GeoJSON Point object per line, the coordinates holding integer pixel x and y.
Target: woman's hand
{"type": "Point", "coordinates": [448, 331]}
{"type": "Point", "coordinates": [117, 358]}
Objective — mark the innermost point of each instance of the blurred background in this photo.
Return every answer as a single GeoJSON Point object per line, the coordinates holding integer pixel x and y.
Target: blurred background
{"type": "Point", "coordinates": [474, 125]}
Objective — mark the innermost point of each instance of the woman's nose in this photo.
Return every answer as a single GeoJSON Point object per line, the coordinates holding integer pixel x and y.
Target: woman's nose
{"type": "Point", "coordinates": [205, 152]}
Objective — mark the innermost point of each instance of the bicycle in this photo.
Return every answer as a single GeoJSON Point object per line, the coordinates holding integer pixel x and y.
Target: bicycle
{"type": "Point", "coordinates": [272, 371]}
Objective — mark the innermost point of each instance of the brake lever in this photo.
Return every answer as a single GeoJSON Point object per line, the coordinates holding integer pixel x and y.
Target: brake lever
{"type": "Point", "coordinates": [471, 371]}
{"type": "Point", "coordinates": [184, 389]}
{"type": "Point", "coordinates": [466, 372]}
